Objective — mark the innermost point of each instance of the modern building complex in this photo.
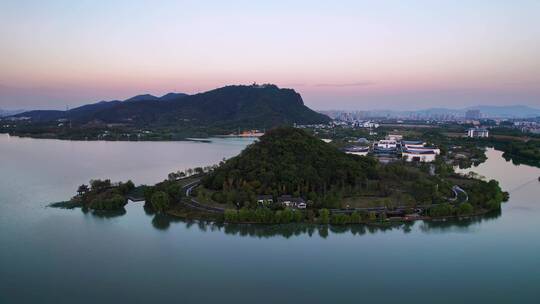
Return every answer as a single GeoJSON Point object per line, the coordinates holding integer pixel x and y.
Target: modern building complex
{"type": "Point", "coordinates": [393, 148]}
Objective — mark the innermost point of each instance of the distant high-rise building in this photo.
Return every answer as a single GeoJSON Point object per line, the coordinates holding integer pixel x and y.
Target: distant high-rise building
{"type": "Point", "coordinates": [472, 114]}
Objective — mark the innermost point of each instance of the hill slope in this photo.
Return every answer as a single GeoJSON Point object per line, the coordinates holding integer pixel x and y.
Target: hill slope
{"type": "Point", "coordinates": [232, 106]}
{"type": "Point", "coordinates": [289, 160]}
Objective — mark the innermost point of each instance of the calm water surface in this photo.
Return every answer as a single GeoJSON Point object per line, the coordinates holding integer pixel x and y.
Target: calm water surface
{"type": "Point", "coordinates": [65, 256]}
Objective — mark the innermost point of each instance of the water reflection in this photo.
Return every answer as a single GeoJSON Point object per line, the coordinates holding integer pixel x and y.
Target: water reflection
{"type": "Point", "coordinates": [461, 224]}
{"type": "Point", "coordinates": [104, 214]}
{"type": "Point", "coordinates": [164, 222]}
{"type": "Point", "coordinates": [291, 230]}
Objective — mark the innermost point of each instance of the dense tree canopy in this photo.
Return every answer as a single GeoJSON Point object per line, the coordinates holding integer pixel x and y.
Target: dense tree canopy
{"type": "Point", "coordinates": [521, 152]}
{"type": "Point", "coordinates": [160, 201]}
{"type": "Point", "coordinates": [288, 160]}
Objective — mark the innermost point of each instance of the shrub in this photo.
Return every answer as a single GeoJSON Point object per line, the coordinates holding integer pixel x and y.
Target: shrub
{"type": "Point", "coordinates": [231, 216]}
{"type": "Point", "coordinates": [442, 210]}
{"type": "Point", "coordinates": [108, 202]}
{"type": "Point", "coordinates": [324, 216]}
{"type": "Point", "coordinates": [464, 209]}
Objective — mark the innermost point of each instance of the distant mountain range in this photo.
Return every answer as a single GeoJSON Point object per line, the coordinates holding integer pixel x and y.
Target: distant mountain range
{"type": "Point", "coordinates": [4, 113]}
{"type": "Point", "coordinates": [517, 111]}
{"type": "Point", "coordinates": [255, 106]}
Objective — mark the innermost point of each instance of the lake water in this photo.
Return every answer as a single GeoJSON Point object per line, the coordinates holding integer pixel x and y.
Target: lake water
{"type": "Point", "coordinates": [51, 255]}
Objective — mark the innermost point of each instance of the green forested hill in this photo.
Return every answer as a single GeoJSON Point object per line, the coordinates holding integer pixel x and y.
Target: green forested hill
{"type": "Point", "coordinates": [288, 160]}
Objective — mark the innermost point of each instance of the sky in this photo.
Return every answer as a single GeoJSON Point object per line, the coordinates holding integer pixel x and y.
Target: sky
{"type": "Point", "coordinates": [355, 55]}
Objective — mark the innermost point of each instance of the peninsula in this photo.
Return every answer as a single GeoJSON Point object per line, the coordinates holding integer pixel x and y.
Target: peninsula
{"type": "Point", "coordinates": [289, 175]}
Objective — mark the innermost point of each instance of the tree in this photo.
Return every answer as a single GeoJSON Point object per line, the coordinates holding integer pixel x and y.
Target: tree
{"type": "Point", "coordinates": [100, 185]}
{"type": "Point", "coordinates": [286, 216]}
{"type": "Point", "coordinates": [160, 201]}
{"type": "Point", "coordinates": [172, 176]}
{"type": "Point", "coordinates": [298, 216]}
{"type": "Point", "coordinates": [199, 170]}
{"type": "Point", "coordinates": [442, 210]}
{"type": "Point", "coordinates": [424, 191]}
{"type": "Point", "coordinates": [173, 190]}
{"type": "Point", "coordinates": [324, 216]}
{"type": "Point", "coordinates": [465, 209]}
{"type": "Point", "coordinates": [245, 215]}
{"type": "Point", "coordinates": [231, 216]}
{"type": "Point", "coordinates": [126, 187]}
{"type": "Point", "coordinates": [290, 161]}
{"type": "Point", "coordinates": [355, 218]}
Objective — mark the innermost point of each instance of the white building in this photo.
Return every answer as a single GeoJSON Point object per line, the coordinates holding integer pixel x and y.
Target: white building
{"type": "Point", "coordinates": [361, 151]}
{"type": "Point", "coordinates": [412, 144]}
{"type": "Point", "coordinates": [435, 150]}
{"type": "Point", "coordinates": [419, 156]}
{"type": "Point", "coordinates": [418, 146]}
{"type": "Point", "coordinates": [477, 132]}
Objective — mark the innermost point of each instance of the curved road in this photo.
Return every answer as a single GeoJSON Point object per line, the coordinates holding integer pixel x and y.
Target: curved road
{"type": "Point", "coordinates": [192, 203]}
{"type": "Point", "coordinates": [457, 189]}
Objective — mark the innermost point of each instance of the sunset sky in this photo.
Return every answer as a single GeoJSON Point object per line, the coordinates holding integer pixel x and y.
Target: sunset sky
{"type": "Point", "coordinates": [338, 54]}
